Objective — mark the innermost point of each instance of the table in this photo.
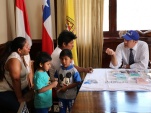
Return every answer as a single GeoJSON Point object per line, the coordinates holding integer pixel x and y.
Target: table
{"type": "Point", "coordinates": [112, 101]}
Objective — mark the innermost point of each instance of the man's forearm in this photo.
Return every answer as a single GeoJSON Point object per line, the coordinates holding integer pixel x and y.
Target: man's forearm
{"type": "Point", "coordinates": [114, 60]}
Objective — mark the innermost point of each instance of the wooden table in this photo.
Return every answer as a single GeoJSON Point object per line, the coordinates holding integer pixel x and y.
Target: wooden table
{"type": "Point", "coordinates": [112, 101]}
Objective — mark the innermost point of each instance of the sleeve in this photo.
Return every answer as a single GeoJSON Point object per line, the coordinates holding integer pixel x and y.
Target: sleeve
{"type": "Point", "coordinates": [55, 65]}
{"type": "Point", "coordinates": [39, 81]}
{"type": "Point", "coordinates": [76, 77]}
{"type": "Point", "coordinates": [118, 53]}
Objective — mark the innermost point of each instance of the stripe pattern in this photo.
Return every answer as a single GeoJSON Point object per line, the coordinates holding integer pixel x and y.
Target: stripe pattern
{"type": "Point", "coordinates": [22, 25]}
{"type": "Point", "coordinates": [47, 40]}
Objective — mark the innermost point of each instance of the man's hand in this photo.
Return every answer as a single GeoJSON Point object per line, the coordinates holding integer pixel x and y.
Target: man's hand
{"type": "Point", "coordinates": [20, 100]}
{"type": "Point", "coordinates": [110, 51]}
{"type": "Point", "coordinates": [113, 56]}
{"type": "Point", "coordinates": [126, 66]}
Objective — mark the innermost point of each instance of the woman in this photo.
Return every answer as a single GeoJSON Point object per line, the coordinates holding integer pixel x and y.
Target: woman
{"type": "Point", "coordinates": [13, 74]}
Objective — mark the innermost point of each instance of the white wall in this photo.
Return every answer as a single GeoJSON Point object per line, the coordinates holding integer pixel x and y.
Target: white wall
{"type": "Point", "coordinates": [34, 10]}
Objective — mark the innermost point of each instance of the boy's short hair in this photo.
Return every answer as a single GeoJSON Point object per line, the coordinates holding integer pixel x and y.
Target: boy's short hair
{"type": "Point", "coordinates": [66, 52]}
{"type": "Point", "coordinates": [65, 37]}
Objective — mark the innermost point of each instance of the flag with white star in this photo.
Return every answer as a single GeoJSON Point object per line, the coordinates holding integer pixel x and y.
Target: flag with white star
{"type": "Point", "coordinates": [47, 40]}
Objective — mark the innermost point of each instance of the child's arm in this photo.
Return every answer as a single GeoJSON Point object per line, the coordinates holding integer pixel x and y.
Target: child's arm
{"type": "Point", "coordinates": [64, 88]}
{"type": "Point", "coordinates": [77, 81]}
{"type": "Point", "coordinates": [50, 86]}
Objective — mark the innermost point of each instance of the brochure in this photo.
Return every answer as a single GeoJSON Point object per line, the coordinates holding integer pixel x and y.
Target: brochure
{"type": "Point", "coordinates": [133, 73]}
{"type": "Point", "coordinates": [141, 81]}
{"type": "Point", "coordinates": [90, 81]}
{"type": "Point", "coordinates": [117, 75]}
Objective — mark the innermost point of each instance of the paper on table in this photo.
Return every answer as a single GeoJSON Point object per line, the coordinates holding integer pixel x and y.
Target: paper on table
{"type": "Point", "coordinates": [94, 81]}
{"type": "Point", "coordinates": [100, 81]}
{"type": "Point", "coordinates": [141, 81]}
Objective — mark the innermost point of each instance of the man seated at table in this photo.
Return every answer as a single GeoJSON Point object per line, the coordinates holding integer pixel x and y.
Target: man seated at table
{"type": "Point", "coordinates": [132, 53]}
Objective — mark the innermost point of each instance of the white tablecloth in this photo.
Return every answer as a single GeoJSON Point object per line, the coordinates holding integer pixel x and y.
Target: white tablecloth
{"type": "Point", "coordinates": [100, 80]}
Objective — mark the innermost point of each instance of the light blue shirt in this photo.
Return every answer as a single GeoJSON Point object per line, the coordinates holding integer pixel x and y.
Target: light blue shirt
{"type": "Point", "coordinates": [42, 100]}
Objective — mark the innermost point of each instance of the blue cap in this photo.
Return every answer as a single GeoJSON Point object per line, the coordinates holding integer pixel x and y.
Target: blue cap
{"type": "Point", "coordinates": [131, 35]}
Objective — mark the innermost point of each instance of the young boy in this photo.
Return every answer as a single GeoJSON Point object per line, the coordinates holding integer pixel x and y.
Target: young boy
{"type": "Point", "coordinates": [68, 80]}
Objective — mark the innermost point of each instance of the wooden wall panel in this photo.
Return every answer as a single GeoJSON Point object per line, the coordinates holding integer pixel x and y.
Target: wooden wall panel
{"type": "Point", "coordinates": [108, 43]}
{"type": "Point", "coordinates": [37, 47]}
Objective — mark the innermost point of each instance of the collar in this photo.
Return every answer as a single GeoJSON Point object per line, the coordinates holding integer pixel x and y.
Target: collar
{"type": "Point", "coordinates": [67, 68]}
{"type": "Point", "coordinates": [135, 47]}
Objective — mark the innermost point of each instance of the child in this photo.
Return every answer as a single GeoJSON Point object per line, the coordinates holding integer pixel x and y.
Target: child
{"type": "Point", "coordinates": [43, 95]}
{"type": "Point", "coordinates": [68, 80]}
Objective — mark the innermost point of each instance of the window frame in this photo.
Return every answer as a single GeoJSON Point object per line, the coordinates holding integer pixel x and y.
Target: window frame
{"type": "Point", "coordinates": [112, 20]}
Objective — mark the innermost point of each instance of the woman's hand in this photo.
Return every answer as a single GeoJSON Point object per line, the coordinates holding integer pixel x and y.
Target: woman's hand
{"type": "Point", "coordinates": [20, 100]}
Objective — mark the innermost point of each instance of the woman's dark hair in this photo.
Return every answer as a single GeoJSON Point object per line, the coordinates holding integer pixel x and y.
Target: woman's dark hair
{"type": "Point", "coordinates": [41, 57]}
{"type": "Point", "coordinates": [65, 37]}
{"type": "Point", "coordinates": [9, 47]}
{"type": "Point", "coordinates": [66, 52]}
{"type": "Point", "coordinates": [18, 43]}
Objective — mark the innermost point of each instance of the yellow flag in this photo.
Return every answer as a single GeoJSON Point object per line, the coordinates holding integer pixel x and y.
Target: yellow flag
{"type": "Point", "coordinates": [70, 23]}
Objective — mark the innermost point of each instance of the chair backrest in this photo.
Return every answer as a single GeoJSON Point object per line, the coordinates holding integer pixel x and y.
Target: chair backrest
{"type": "Point", "coordinates": [149, 64]}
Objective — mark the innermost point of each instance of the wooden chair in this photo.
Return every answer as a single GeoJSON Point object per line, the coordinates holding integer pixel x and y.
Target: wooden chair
{"type": "Point", "coordinates": [149, 64]}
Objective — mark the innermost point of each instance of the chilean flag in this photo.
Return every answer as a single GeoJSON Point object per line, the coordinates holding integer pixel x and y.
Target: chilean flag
{"type": "Point", "coordinates": [22, 26]}
{"type": "Point", "coordinates": [47, 40]}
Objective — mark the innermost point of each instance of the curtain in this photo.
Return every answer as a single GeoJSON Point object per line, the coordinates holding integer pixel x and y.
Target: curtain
{"type": "Point", "coordinates": [89, 30]}
{"type": "Point", "coordinates": [97, 32]}
{"type": "Point", "coordinates": [89, 22]}
{"type": "Point", "coordinates": [7, 20]}
{"type": "Point", "coordinates": [61, 16]}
